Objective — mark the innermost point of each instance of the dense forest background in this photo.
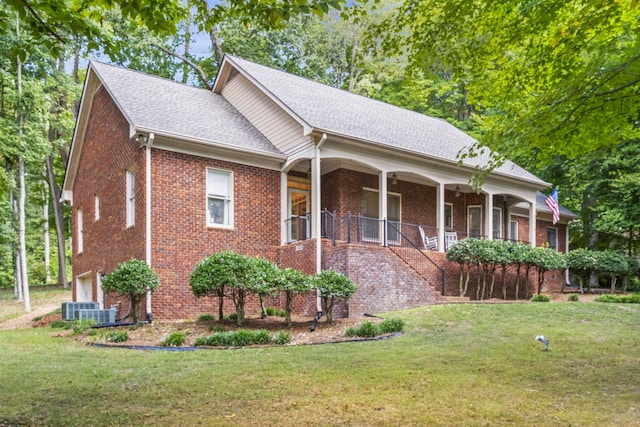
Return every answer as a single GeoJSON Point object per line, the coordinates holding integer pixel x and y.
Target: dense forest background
{"type": "Point", "coordinates": [552, 85]}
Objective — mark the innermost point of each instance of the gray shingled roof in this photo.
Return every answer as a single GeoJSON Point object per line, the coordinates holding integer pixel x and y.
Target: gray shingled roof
{"type": "Point", "coordinates": [336, 111]}
{"type": "Point", "coordinates": [167, 107]}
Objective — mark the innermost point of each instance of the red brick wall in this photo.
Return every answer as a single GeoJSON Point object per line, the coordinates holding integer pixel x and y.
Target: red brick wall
{"type": "Point", "coordinates": [180, 234]}
{"type": "Point", "coordinates": [106, 155]}
{"type": "Point", "coordinates": [383, 281]}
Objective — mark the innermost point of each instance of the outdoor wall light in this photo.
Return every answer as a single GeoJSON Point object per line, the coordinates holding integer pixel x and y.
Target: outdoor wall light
{"type": "Point", "coordinates": [457, 191]}
{"type": "Point", "coordinates": [395, 179]}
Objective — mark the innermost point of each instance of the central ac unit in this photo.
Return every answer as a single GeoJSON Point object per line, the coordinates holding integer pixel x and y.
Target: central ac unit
{"type": "Point", "coordinates": [100, 316]}
{"type": "Point", "coordinates": [69, 308]}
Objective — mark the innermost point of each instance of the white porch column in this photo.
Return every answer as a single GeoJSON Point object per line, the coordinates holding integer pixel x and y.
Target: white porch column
{"type": "Point", "coordinates": [316, 227]}
{"type": "Point", "coordinates": [488, 218]}
{"type": "Point", "coordinates": [440, 192]}
{"type": "Point", "coordinates": [284, 208]}
{"type": "Point", "coordinates": [532, 223]}
{"type": "Point", "coordinates": [382, 201]}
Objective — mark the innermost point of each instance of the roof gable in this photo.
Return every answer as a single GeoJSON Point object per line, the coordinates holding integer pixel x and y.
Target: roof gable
{"type": "Point", "coordinates": [338, 112]}
{"type": "Point", "coordinates": [166, 107]}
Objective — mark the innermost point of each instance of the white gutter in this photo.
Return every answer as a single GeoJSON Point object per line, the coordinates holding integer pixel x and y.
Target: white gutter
{"type": "Point", "coordinates": [316, 210]}
{"type": "Point", "coordinates": [148, 215]}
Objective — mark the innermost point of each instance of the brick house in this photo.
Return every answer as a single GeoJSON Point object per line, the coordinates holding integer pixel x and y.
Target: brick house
{"type": "Point", "coordinates": [273, 165]}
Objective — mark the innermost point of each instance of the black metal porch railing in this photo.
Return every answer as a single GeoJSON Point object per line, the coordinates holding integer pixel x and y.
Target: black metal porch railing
{"type": "Point", "coordinates": [413, 255]}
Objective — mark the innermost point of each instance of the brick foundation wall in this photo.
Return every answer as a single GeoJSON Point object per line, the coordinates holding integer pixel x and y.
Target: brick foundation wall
{"type": "Point", "coordinates": [383, 281]}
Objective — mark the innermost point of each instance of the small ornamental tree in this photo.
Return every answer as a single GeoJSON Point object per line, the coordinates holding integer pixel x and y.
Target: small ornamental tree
{"type": "Point", "coordinates": [546, 259]}
{"type": "Point", "coordinates": [292, 282]}
{"type": "Point", "coordinates": [612, 264]}
{"type": "Point", "coordinates": [462, 253]}
{"type": "Point", "coordinates": [262, 280]}
{"type": "Point", "coordinates": [132, 279]}
{"type": "Point", "coordinates": [583, 261]}
{"type": "Point", "coordinates": [503, 249]}
{"type": "Point", "coordinates": [213, 275]}
{"type": "Point", "coordinates": [333, 287]}
{"type": "Point", "coordinates": [519, 256]}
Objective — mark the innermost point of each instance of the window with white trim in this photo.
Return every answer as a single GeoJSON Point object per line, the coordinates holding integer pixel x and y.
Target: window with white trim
{"type": "Point", "coordinates": [448, 215]}
{"type": "Point", "coordinates": [514, 231]}
{"type": "Point", "coordinates": [80, 232]}
{"type": "Point", "coordinates": [497, 223]}
{"type": "Point", "coordinates": [131, 198]}
{"type": "Point", "coordinates": [219, 198]}
{"type": "Point", "coordinates": [552, 238]}
{"type": "Point", "coordinates": [474, 221]}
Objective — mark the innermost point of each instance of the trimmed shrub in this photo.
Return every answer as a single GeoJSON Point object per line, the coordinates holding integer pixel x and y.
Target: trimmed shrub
{"type": "Point", "coordinates": [206, 318]}
{"type": "Point", "coordinates": [241, 338]}
{"type": "Point", "coordinates": [117, 336]}
{"type": "Point", "coordinates": [79, 326]}
{"type": "Point", "coordinates": [365, 330]}
{"type": "Point", "coordinates": [175, 339]}
{"type": "Point", "coordinates": [389, 326]}
{"type": "Point", "coordinates": [540, 298]}
{"type": "Point", "coordinates": [61, 324]}
{"type": "Point", "coordinates": [573, 298]}
{"type": "Point", "coordinates": [282, 338]}
{"type": "Point", "coordinates": [624, 299]}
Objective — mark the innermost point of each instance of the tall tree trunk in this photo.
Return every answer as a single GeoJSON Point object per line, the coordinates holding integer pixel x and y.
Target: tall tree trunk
{"type": "Point", "coordinates": [17, 280]}
{"type": "Point", "coordinates": [22, 233]}
{"type": "Point", "coordinates": [58, 215]}
{"type": "Point", "coordinates": [23, 191]}
{"type": "Point", "coordinates": [47, 243]}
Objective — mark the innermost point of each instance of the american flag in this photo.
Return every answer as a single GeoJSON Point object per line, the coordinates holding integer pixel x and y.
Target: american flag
{"type": "Point", "coordinates": [552, 203]}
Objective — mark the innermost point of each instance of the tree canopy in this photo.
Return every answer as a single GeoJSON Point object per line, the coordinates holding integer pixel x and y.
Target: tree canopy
{"type": "Point", "coordinates": [550, 78]}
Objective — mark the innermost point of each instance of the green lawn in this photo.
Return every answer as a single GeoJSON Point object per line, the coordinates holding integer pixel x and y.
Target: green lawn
{"type": "Point", "coordinates": [38, 295]}
{"type": "Point", "coordinates": [454, 365]}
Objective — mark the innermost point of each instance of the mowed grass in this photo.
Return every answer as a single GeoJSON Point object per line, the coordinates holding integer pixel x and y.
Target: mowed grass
{"type": "Point", "coordinates": [38, 296]}
{"type": "Point", "coordinates": [455, 365]}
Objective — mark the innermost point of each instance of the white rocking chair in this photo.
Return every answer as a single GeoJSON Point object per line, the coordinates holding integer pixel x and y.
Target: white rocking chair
{"type": "Point", "coordinates": [430, 243]}
{"type": "Point", "coordinates": [450, 239]}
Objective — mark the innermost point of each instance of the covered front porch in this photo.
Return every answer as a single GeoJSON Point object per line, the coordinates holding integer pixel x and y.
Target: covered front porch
{"type": "Point", "coordinates": [362, 205]}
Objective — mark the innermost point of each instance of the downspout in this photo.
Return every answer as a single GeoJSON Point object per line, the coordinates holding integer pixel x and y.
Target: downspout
{"type": "Point", "coordinates": [148, 217]}
{"type": "Point", "coordinates": [317, 225]}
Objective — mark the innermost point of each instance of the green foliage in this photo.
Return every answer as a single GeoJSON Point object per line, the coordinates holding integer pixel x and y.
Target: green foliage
{"type": "Point", "coordinates": [573, 298]}
{"type": "Point", "coordinates": [333, 287]}
{"type": "Point", "coordinates": [540, 298]}
{"type": "Point", "coordinates": [543, 72]}
{"type": "Point", "coordinates": [175, 339]}
{"type": "Point", "coordinates": [276, 312]}
{"type": "Point", "coordinates": [206, 318]}
{"type": "Point", "coordinates": [623, 299]}
{"type": "Point", "coordinates": [391, 325]}
{"type": "Point", "coordinates": [365, 330]}
{"type": "Point", "coordinates": [282, 338]}
{"type": "Point", "coordinates": [132, 279]}
{"type": "Point", "coordinates": [117, 336]}
{"type": "Point", "coordinates": [240, 338]}
{"type": "Point", "coordinates": [370, 330]}
{"type": "Point", "coordinates": [61, 324]}
{"type": "Point", "coordinates": [79, 326]}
